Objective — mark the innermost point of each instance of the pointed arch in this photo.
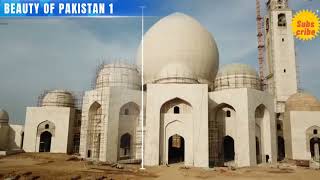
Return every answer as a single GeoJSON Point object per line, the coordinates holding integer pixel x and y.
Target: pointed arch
{"type": "Point", "coordinates": [45, 141]}
{"type": "Point", "coordinates": [130, 108]}
{"type": "Point", "coordinates": [46, 126]}
{"type": "Point", "coordinates": [312, 138]}
{"type": "Point", "coordinates": [176, 149]}
{"type": "Point", "coordinates": [94, 130]}
{"type": "Point", "coordinates": [169, 106]}
{"type": "Point", "coordinates": [228, 148]}
{"type": "Point", "coordinates": [262, 126]}
{"type": "Point", "coordinates": [125, 146]}
{"type": "Point", "coordinates": [221, 120]}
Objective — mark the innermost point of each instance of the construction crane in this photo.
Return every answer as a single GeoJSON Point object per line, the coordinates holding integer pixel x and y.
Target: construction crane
{"type": "Point", "coordinates": [261, 45]}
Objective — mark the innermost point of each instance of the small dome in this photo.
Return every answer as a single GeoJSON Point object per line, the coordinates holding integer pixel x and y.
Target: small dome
{"type": "Point", "coordinates": [4, 117]}
{"type": "Point", "coordinates": [58, 98]}
{"type": "Point", "coordinates": [237, 76]}
{"type": "Point", "coordinates": [302, 101]}
{"type": "Point", "coordinates": [180, 45]}
{"type": "Point", "coordinates": [119, 75]}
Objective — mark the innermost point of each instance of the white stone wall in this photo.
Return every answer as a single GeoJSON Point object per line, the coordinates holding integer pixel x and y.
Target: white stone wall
{"type": "Point", "coordinates": [245, 102]}
{"type": "Point", "coordinates": [296, 139]}
{"type": "Point", "coordinates": [61, 117]}
{"type": "Point", "coordinates": [111, 99]}
{"type": "Point", "coordinates": [119, 97]}
{"type": "Point", "coordinates": [194, 129]}
{"type": "Point", "coordinates": [281, 73]}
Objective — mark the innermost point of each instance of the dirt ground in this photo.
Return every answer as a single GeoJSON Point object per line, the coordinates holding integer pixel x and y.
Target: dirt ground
{"type": "Point", "coordinates": [61, 166]}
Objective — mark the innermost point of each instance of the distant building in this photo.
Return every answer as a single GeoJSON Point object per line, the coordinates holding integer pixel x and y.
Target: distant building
{"type": "Point", "coordinates": [11, 135]}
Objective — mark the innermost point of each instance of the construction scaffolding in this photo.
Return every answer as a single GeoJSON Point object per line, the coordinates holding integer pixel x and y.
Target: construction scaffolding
{"type": "Point", "coordinates": [261, 44]}
{"type": "Point", "coordinates": [233, 81]}
{"type": "Point", "coordinates": [64, 98]}
{"type": "Point", "coordinates": [118, 73]}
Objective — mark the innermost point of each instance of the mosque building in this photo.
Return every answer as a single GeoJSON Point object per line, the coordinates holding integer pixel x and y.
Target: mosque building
{"type": "Point", "coordinates": [194, 112]}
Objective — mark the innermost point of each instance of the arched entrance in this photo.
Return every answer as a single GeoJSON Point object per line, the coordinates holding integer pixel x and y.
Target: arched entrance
{"type": "Point", "coordinates": [262, 128]}
{"type": "Point", "coordinates": [281, 148]}
{"type": "Point", "coordinates": [94, 131]}
{"type": "Point", "coordinates": [175, 115]}
{"type": "Point", "coordinates": [125, 144]}
{"type": "Point", "coordinates": [45, 142]}
{"type": "Point", "coordinates": [313, 142]}
{"type": "Point", "coordinates": [176, 149]}
{"type": "Point", "coordinates": [228, 148]}
{"type": "Point", "coordinates": [128, 133]}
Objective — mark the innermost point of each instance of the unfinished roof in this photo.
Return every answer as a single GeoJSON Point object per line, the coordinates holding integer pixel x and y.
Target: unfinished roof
{"type": "Point", "coordinates": [302, 101]}
{"type": "Point", "coordinates": [4, 117]}
{"type": "Point", "coordinates": [237, 69]}
{"type": "Point", "coordinates": [118, 75]}
{"type": "Point", "coordinates": [237, 76]}
{"type": "Point", "coordinates": [58, 98]}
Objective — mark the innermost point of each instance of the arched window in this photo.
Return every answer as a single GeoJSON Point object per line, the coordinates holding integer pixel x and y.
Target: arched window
{"type": "Point", "coordinates": [228, 113]}
{"type": "Point", "coordinates": [282, 20]}
{"type": "Point", "coordinates": [176, 110]}
{"type": "Point", "coordinates": [315, 131]}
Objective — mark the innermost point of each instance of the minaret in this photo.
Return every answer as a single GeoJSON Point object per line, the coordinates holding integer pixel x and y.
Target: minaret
{"type": "Point", "coordinates": [280, 69]}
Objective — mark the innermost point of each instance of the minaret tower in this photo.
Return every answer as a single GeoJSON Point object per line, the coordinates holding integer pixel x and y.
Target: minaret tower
{"type": "Point", "coordinates": [280, 68]}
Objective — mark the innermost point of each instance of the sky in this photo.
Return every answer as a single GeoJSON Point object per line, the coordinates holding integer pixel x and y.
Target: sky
{"type": "Point", "coordinates": [63, 53]}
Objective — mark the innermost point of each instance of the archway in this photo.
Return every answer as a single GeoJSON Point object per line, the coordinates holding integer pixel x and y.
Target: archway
{"type": "Point", "coordinates": [228, 148]}
{"type": "Point", "coordinates": [175, 115]}
{"type": "Point", "coordinates": [176, 149]}
{"type": "Point", "coordinates": [222, 121]}
{"type": "Point", "coordinates": [45, 142]}
{"type": "Point", "coordinates": [94, 130]}
{"type": "Point", "coordinates": [281, 148]}
{"type": "Point", "coordinates": [125, 145]}
{"type": "Point", "coordinates": [128, 131]}
{"type": "Point", "coordinates": [313, 142]}
{"type": "Point", "coordinates": [262, 129]}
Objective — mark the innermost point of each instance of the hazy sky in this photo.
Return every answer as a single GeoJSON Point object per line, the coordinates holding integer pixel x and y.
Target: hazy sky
{"type": "Point", "coordinates": [41, 54]}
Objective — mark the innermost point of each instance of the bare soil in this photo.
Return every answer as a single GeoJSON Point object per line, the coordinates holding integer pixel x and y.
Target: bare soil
{"type": "Point", "coordinates": [61, 166]}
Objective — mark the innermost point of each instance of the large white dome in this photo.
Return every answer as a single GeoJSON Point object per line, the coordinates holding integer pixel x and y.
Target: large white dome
{"type": "Point", "coordinates": [178, 49]}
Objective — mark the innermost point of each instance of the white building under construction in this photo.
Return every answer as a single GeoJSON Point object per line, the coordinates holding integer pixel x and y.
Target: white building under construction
{"type": "Point", "coordinates": [194, 112]}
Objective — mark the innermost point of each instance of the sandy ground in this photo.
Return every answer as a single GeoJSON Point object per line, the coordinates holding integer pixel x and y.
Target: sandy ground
{"type": "Point", "coordinates": [61, 166]}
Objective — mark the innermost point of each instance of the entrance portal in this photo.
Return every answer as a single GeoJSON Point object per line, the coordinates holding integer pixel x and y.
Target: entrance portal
{"type": "Point", "coordinates": [45, 142]}
{"type": "Point", "coordinates": [314, 141]}
{"type": "Point", "coordinates": [228, 149]}
{"type": "Point", "coordinates": [176, 149]}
